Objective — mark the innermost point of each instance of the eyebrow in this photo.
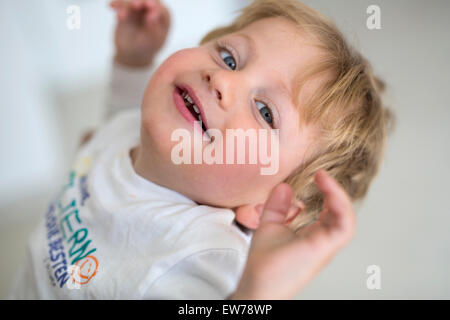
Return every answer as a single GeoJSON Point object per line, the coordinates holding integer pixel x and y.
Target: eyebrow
{"type": "Point", "coordinates": [280, 84]}
{"type": "Point", "coordinates": [249, 40]}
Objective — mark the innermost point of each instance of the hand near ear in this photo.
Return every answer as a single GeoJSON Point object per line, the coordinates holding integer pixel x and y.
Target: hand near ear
{"type": "Point", "coordinates": [280, 262]}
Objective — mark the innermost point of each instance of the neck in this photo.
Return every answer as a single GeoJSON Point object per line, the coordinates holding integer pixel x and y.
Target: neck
{"type": "Point", "coordinates": [147, 168]}
{"type": "Point", "coordinates": [141, 165]}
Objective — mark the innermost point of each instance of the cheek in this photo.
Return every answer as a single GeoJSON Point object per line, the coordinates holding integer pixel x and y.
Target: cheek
{"type": "Point", "coordinates": [247, 181]}
{"type": "Point", "coordinates": [233, 185]}
{"type": "Point", "coordinates": [159, 115]}
{"type": "Point", "coordinates": [175, 68]}
{"type": "Point", "coordinates": [162, 78]}
{"type": "Point", "coordinates": [178, 63]}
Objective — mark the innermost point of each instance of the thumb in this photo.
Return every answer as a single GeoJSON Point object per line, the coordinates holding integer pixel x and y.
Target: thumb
{"type": "Point", "coordinates": [278, 204]}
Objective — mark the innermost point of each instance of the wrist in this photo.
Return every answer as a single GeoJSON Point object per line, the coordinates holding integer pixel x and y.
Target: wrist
{"type": "Point", "coordinates": [132, 62]}
{"type": "Point", "coordinates": [240, 295]}
{"type": "Point", "coordinates": [244, 291]}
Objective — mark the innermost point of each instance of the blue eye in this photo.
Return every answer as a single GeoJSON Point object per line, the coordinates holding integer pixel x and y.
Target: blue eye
{"type": "Point", "coordinates": [265, 112]}
{"type": "Point", "coordinates": [230, 61]}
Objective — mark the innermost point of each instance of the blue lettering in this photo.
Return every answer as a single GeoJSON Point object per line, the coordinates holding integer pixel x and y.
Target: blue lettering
{"type": "Point", "coordinates": [83, 190]}
{"type": "Point", "coordinates": [69, 206]}
{"type": "Point", "coordinates": [66, 220]}
{"type": "Point", "coordinates": [76, 240]}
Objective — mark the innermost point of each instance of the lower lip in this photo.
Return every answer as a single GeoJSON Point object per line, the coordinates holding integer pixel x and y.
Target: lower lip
{"type": "Point", "coordinates": [181, 106]}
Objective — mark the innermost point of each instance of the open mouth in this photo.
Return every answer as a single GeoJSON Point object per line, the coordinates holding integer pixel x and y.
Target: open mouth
{"type": "Point", "coordinates": [190, 105]}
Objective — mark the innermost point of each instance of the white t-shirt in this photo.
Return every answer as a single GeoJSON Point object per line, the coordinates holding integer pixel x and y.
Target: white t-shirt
{"type": "Point", "coordinates": [111, 234]}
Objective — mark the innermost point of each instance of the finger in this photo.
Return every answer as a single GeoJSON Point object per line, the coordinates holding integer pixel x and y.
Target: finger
{"type": "Point", "coordinates": [277, 205]}
{"type": "Point", "coordinates": [122, 14]}
{"type": "Point", "coordinates": [328, 185]}
{"type": "Point", "coordinates": [137, 4]}
{"type": "Point", "coordinates": [153, 11]}
{"type": "Point", "coordinates": [122, 8]}
{"type": "Point", "coordinates": [150, 4]}
{"type": "Point", "coordinates": [115, 3]}
{"type": "Point", "coordinates": [165, 17]}
{"type": "Point", "coordinates": [127, 7]}
{"type": "Point", "coordinates": [336, 223]}
{"type": "Point", "coordinates": [152, 16]}
{"type": "Point", "coordinates": [338, 209]}
{"type": "Point", "coordinates": [119, 4]}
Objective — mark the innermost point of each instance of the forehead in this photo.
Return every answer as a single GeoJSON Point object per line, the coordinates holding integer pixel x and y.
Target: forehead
{"type": "Point", "coordinates": [279, 51]}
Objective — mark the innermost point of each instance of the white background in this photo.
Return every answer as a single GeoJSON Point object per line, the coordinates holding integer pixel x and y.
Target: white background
{"type": "Point", "coordinates": [52, 86]}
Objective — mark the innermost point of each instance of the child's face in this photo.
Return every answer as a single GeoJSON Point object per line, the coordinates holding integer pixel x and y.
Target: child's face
{"type": "Point", "coordinates": [228, 88]}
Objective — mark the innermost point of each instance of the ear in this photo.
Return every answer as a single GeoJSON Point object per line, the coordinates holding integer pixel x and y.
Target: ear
{"type": "Point", "coordinates": [295, 209]}
{"type": "Point", "coordinates": [249, 215]}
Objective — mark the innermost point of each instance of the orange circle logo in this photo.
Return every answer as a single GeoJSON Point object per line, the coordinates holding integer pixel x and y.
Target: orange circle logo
{"type": "Point", "coordinates": [84, 270]}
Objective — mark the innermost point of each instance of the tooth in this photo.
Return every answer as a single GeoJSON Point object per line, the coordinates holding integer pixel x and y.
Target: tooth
{"type": "Point", "coordinates": [200, 119]}
{"type": "Point", "coordinates": [196, 109]}
{"type": "Point", "coordinates": [188, 98]}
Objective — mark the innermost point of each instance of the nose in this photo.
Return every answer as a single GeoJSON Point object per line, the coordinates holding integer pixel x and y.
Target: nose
{"type": "Point", "coordinates": [219, 84]}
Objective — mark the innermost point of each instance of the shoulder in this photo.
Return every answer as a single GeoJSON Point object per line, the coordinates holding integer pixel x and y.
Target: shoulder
{"type": "Point", "coordinates": [207, 274]}
{"type": "Point", "coordinates": [210, 254]}
{"type": "Point", "coordinates": [123, 121]}
{"type": "Point", "coordinates": [124, 125]}
{"type": "Point", "coordinates": [213, 228]}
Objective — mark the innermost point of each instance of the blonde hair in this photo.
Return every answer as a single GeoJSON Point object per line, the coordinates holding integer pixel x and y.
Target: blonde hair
{"type": "Point", "coordinates": [347, 106]}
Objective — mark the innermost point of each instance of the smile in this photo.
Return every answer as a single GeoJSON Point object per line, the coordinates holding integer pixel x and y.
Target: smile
{"type": "Point", "coordinates": [187, 107]}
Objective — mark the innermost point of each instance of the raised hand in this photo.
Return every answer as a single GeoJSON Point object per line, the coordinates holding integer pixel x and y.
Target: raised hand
{"type": "Point", "coordinates": [142, 29]}
{"type": "Point", "coordinates": [280, 262]}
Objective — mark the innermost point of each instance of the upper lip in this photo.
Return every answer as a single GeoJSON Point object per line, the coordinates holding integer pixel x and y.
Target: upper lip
{"type": "Point", "coordinates": [196, 100]}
